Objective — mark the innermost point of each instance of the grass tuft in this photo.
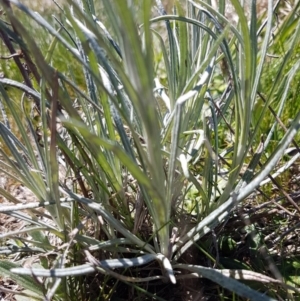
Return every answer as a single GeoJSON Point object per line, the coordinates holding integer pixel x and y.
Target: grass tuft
{"type": "Point", "coordinates": [151, 149]}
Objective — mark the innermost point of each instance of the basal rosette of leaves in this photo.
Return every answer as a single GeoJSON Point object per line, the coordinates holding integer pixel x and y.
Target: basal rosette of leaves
{"type": "Point", "coordinates": [119, 149]}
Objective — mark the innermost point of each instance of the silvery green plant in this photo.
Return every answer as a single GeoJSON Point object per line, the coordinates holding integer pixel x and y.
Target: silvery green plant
{"type": "Point", "coordinates": [130, 135]}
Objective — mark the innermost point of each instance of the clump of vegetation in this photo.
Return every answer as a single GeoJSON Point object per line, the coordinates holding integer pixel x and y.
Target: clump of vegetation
{"type": "Point", "coordinates": [152, 151]}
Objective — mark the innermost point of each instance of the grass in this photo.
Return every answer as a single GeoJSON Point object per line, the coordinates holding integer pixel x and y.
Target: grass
{"type": "Point", "coordinates": [154, 151]}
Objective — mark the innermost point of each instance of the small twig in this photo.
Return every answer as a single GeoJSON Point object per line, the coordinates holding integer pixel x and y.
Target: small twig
{"type": "Point", "coordinates": [8, 57]}
{"type": "Point", "coordinates": [174, 238]}
{"type": "Point", "coordinates": [15, 292]}
{"type": "Point", "coordinates": [286, 233]}
{"type": "Point", "coordinates": [278, 120]}
{"type": "Point", "coordinates": [214, 238]}
{"type": "Point", "coordinates": [276, 183]}
{"type": "Point", "coordinates": [139, 213]}
{"type": "Point", "coordinates": [275, 202]}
